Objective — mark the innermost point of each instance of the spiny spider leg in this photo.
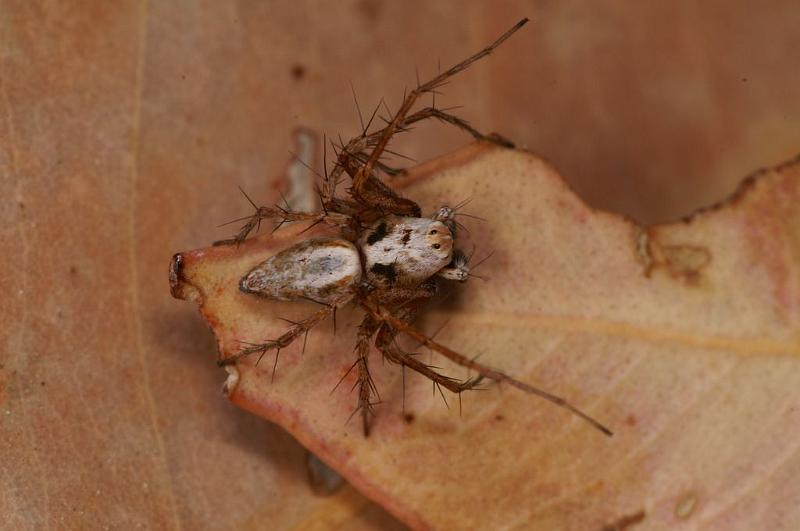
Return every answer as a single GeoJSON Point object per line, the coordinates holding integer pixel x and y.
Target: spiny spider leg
{"type": "Point", "coordinates": [385, 343]}
{"type": "Point", "coordinates": [411, 97]}
{"type": "Point", "coordinates": [433, 112]}
{"type": "Point", "coordinates": [365, 186]}
{"type": "Point", "coordinates": [352, 156]}
{"type": "Point", "coordinates": [383, 199]}
{"type": "Point", "coordinates": [363, 156]}
{"type": "Point", "coordinates": [333, 219]}
{"type": "Point", "coordinates": [366, 386]}
{"type": "Point", "coordinates": [296, 330]}
{"type": "Point", "coordinates": [401, 326]}
{"type": "Point", "coordinates": [374, 193]}
{"type": "Point", "coordinates": [442, 115]}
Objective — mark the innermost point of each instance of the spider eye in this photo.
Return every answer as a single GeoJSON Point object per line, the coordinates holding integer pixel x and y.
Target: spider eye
{"type": "Point", "coordinates": [434, 231]}
{"type": "Point", "coordinates": [436, 246]}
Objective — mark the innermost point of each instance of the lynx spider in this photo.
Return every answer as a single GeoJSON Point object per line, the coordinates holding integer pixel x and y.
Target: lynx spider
{"type": "Point", "coordinates": [404, 256]}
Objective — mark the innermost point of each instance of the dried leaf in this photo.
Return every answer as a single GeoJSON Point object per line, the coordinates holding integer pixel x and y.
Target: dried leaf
{"type": "Point", "coordinates": [683, 338]}
{"type": "Point", "coordinates": [127, 126]}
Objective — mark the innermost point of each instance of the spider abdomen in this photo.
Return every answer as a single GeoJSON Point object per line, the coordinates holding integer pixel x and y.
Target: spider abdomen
{"type": "Point", "coordinates": [321, 269]}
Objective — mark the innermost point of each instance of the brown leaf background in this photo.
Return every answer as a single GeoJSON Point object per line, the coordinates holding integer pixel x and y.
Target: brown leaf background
{"type": "Point", "coordinates": [126, 127]}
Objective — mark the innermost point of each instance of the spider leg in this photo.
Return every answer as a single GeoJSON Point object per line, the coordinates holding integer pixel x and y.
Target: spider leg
{"type": "Point", "coordinates": [342, 163]}
{"type": "Point", "coordinates": [385, 168]}
{"type": "Point", "coordinates": [487, 372]}
{"type": "Point", "coordinates": [364, 381]}
{"type": "Point", "coordinates": [444, 116]}
{"type": "Point", "coordinates": [253, 222]}
{"type": "Point", "coordinates": [367, 188]}
{"type": "Point", "coordinates": [297, 329]}
{"type": "Point", "coordinates": [373, 192]}
{"type": "Point", "coordinates": [385, 343]}
{"type": "Point", "coordinates": [361, 178]}
{"type": "Point", "coordinates": [375, 195]}
{"type": "Point", "coordinates": [354, 156]}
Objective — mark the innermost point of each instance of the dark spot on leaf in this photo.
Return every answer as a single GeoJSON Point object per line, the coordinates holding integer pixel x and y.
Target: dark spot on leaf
{"type": "Point", "coordinates": [387, 271]}
{"type": "Point", "coordinates": [298, 72]}
{"type": "Point", "coordinates": [408, 417]}
{"type": "Point", "coordinates": [370, 9]}
{"type": "Point", "coordinates": [379, 234]}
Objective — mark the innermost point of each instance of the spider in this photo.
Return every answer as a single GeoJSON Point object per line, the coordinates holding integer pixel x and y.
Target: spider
{"type": "Point", "coordinates": [387, 257]}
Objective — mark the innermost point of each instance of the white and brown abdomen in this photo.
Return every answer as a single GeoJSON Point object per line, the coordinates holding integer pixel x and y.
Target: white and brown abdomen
{"type": "Point", "coordinates": [402, 251]}
{"type": "Point", "coordinates": [325, 270]}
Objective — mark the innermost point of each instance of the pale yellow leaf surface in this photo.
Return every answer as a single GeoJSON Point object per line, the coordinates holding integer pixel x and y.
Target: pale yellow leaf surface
{"type": "Point", "coordinates": [683, 338]}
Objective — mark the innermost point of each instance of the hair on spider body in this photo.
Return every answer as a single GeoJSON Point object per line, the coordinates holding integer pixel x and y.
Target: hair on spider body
{"type": "Point", "coordinates": [387, 258]}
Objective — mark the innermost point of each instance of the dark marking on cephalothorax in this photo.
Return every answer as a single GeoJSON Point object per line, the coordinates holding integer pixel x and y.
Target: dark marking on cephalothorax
{"type": "Point", "coordinates": [379, 234]}
{"type": "Point", "coordinates": [406, 236]}
{"type": "Point", "coordinates": [389, 272]}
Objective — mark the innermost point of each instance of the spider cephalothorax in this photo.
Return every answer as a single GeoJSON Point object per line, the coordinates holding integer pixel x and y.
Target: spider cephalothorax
{"type": "Point", "coordinates": [386, 257]}
{"type": "Point", "coordinates": [404, 252]}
